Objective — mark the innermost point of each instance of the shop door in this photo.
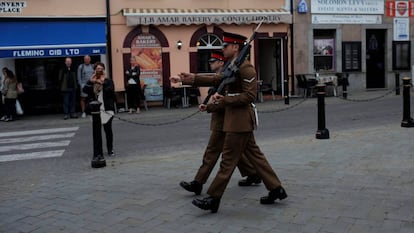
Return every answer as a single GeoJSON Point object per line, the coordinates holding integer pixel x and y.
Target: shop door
{"type": "Point", "coordinates": [270, 64]}
{"type": "Point", "coordinates": [375, 59]}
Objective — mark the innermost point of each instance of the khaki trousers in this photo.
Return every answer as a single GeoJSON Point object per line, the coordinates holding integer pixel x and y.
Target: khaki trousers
{"type": "Point", "coordinates": [211, 155]}
{"type": "Point", "coordinates": [234, 145]}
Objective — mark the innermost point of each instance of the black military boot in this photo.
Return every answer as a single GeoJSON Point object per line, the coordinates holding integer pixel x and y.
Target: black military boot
{"type": "Point", "coordinates": [277, 193]}
{"type": "Point", "coordinates": [250, 180]}
{"type": "Point", "coordinates": [208, 203]}
{"type": "Point", "coordinates": [193, 186]}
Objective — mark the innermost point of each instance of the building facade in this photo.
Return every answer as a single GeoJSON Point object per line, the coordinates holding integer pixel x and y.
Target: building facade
{"type": "Point", "coordinates": [369, 40]}
{"type": "Point", "coordinates": [167, 38]}
{"type": "Point", "coordinates": [38, 35]}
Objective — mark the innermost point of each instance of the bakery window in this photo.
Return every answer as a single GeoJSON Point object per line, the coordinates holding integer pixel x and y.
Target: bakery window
{"type": "Point", "coordinates": [205, 45]}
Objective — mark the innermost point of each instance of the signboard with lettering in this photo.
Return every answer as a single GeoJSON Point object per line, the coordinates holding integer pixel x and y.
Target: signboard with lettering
{"type": "Point", "coordinates": [204, 19]}
{"type": "Point", "coordinates": [12, 6]}
{"type": "Point", "coordinates": [51, 52]}
{"type": "Point", "coordinates": [346, 19]}
{"type": "Point", "coordinates": [147, 52]}
{"type": "Point", "coordinates": [347, 6]}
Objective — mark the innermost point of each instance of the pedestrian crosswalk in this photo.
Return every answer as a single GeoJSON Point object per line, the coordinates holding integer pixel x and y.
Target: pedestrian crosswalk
{"type": "Point", "coordinates": [35, 144]}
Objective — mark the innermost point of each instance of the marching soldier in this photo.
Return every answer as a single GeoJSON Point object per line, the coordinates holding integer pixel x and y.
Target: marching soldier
{"type": "Point", "coordinates": [216, 141]}
{"type": "Point", "coordinates": [239, 123]}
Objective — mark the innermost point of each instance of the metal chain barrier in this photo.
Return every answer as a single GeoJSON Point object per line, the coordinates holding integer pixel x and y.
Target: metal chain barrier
{"type": "Point", "coordinates": [368, 99]}
{"type": "Point", "coordinates": [153, 124]}
{"type": "Point", "coordinates": [284, 109]}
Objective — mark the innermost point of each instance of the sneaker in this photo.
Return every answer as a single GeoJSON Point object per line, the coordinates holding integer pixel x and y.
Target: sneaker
{"type": "Point", "coordinates": [111, 154]}
{"type": "Point", "coordinates": [6, 119]}
{"type": "Point", "coordinates": [83, 115]}
{"type": "Point", "coordinates": [65, 117]}
{"type": "Point", "coordinates": [3, 118]}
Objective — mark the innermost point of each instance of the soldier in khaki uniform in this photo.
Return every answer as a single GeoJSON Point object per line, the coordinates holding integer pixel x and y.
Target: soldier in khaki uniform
{"type": "Point", "coordinates": [239, 123]}
{"type": "Point", "coordinates": [216, 141]}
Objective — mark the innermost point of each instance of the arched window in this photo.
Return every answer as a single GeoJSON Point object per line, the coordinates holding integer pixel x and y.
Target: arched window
{"type": "Point", "coordinates": [205, 45]}
{"type": "Point", "coordinates": [209, 41]}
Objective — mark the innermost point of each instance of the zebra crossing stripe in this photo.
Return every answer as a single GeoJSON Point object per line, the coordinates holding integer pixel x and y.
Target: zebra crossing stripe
{"type": "Point", "coordinates": [32, 155]}
{"type": "Point", "coordinates": [38, 131]}
{"type": "Point", "coordinates": [34, 146]}
{"type": "Point", "coordinates": [36, 138]}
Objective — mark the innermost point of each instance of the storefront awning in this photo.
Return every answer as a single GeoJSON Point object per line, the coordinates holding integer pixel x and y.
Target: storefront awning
{"type": "Point", "coordinates": [28, 39]}
{"type": "Point", "coordinates": [205, 16]}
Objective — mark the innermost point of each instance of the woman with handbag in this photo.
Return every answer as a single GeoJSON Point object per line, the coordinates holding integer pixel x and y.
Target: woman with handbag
{"type": "Point", "coordinates": [9, 92]}
{"type": "Point", "coordinates": [101, 88]}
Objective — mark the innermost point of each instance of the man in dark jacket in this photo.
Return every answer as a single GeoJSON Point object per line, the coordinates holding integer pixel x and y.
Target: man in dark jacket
{"type": "Point", "coordinates": [68, 84]}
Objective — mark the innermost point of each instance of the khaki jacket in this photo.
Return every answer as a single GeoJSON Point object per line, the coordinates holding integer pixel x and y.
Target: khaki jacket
{"type": "Point", "coordinates": [238, 114]}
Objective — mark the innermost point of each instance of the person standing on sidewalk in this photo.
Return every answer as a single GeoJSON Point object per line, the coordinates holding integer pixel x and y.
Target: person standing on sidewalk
{"type": "Point", "coordinates": [239, 123]}
{"type": "Point", "coordinates": [215, 143]}
{"type": "Point", "coordinates": [9, 92]}
{"type": "Point", "coordinates": [85, 72]}
{"type": "Point", "coordinates": [68, 85]}
{"type": "Point", "coordinates": [133, 86]}
{"type": "Point", "coordinates": [101, 88]}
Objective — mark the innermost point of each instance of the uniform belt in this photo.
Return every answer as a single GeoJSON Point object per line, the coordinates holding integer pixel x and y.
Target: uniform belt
{"type": "Point", "coordinates": [233, 94]}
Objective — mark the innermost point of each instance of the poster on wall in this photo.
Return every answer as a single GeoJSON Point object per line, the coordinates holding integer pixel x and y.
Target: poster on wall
{"type": "Point", "coordinates": [147, 52]}
{"type": "Point", "coordinates": [401, 29]}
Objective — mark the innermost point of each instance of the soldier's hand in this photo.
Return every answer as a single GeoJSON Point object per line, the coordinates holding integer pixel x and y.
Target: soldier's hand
{"type": "Point", "coordinates": [217, 97]}
{"type": "Point", "coordinates": [202, 107]}
{"type": "Point", "coordinates": [175, 79]}
{"type": "Point", "coordinates": [186, 76]}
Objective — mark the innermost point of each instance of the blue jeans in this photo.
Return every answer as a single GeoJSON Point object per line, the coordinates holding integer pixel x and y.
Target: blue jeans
{"type": "Point", "coordinates": [69, 101]}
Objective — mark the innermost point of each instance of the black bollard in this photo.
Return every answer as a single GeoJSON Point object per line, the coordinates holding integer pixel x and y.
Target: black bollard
{"type": "Point", "coordinates": [323, 132]}
{"type": "Point", "coordinates": [407, 120]}
{"type": "Point", "coordinates": [397, 83]}
{"type": "Point", "coordinates": [286, 91]}
{"type": "Point", "coordinates": [345, 83]}
{"type": "Point", "coordinates": [98, 159]}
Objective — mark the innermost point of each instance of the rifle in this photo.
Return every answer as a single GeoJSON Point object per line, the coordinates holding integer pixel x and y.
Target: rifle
{"type": "Point", "coordinates": [230, 70]}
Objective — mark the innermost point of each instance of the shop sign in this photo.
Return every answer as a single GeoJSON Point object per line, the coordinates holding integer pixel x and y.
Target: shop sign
{"type": "Point", "coordinates": [204, 19]}
{"type": "Point", "coordinates": [346, 19]}
{"type": "Point", "coordinates": [52, 52]}
{"type": "Point", "coordinates": [401, 29]}
{"type": "Point", "coordinates": [12, 6]}
{"type": "Point", "coordinates": [347, 6]}
{"type": "Point", "coordinates": [400, 8]}
{"type": "Point", "coordinates": [147, 52]}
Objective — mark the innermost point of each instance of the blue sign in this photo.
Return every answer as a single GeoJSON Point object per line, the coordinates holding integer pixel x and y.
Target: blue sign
{"type": "Point", "coordinates": [51, 52]}
{"type": "Point", "coordinates": [302, 7]}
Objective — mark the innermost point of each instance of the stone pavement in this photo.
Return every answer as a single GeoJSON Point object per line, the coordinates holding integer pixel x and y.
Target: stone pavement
{"type": "Point", "coordinates": [360, 180]}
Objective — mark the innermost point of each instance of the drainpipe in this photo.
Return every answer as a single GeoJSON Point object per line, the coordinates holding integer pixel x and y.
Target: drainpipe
{"type": "Point", "coordinates": [108, 39]}
{"type": "Point", "coordinates": [292, 60]}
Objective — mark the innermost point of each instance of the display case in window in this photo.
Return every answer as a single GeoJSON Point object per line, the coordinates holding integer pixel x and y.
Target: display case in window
{"type": "Point", "coordinates": [324, 54]}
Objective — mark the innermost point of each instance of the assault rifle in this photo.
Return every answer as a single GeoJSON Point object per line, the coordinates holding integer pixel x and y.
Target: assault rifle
{"type": "Point", "coordinates": [231, 69]}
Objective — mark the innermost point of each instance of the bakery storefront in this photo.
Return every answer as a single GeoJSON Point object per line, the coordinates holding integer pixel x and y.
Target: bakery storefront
{"type": "Point", "coordinates": [169, 41]}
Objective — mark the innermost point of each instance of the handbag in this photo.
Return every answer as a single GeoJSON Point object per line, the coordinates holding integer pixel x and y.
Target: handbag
{"type": "Point", "coordinates": [19, 109]}
{"type": "Point", "coordinates": [20, 89]}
